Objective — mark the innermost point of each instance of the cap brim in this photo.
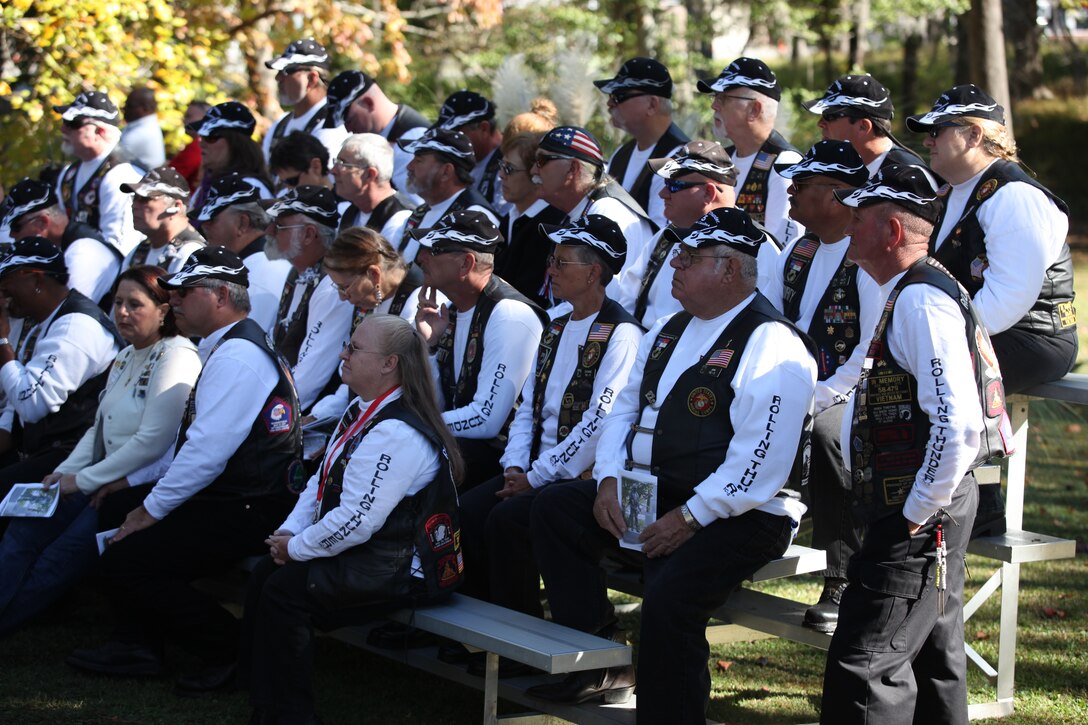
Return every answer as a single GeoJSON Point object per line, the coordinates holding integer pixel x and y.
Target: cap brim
{"type": "Point", "coordinates": [705, 85]}
{"type": "Point", "coordinates": [129, 188]}
{"type": "Point", "coordinates": [165, 282]}
{"type": "Point", "coordinates": [915, 125]}
{"type": "Point", "coordinates": [808, 105]}
{"type": "Point", "coordinates": [62, 109]}
{"type": "Point", "coordinates": [841, 196]}
{"type": "Point", "coordinates": [549, 229]}
{"type": "Point", "coordinates": [603, 82]}
{"type": "Point", "coordinates": [656, 164]}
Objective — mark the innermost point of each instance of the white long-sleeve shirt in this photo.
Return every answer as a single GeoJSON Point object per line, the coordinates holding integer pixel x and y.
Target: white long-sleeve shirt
{"type": "Point", "coordinates": [773, 385]}
{"type": "Point", "coordinates": [430, 219]}
{"type": "Point", "coordinates": [92, 268]}
{"type": "Point", "coordinates": [558, 461]}
{"type": "Point", "coordinates": [624, 286]}
{"type": "Point", "coordinates": [509, 341]}
{"type": "Point", "coordinates": [871, 298]}
{"type": "Point", "coordinates": [331, 138]}
{"type": "Point", "coordinates": [391, 452]}
{"type": "Point", "coordinates": [328, 328]}
{"type": "Point", "coordinates": [1024, 232]}
{"type": "Point", "coordinates": [232, 390]}
{"type": "Point", "coordinates": [927, 336]}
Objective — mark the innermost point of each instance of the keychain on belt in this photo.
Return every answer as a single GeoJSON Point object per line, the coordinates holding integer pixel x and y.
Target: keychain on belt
{"type": "Point", "coordinates": [942, 565]}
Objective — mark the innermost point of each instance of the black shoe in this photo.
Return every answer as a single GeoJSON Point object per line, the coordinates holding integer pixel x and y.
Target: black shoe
{"type": "Point", "coordinates": [614, 685]}
{"type": "Point", "coordinates": [394, 635]}
{"type": "Point", "coordinates": [990, 517]}
{"type": "Point", "coordinates": [454, 654]}
{"type": "Point", "coordinates": [212, 678]}
{"type": "Point", "coordinates": [477, 667]}
{"type": "Point", "coordinates": [823, 616]}
{"type": "Point", "coordinates": [118, 658]}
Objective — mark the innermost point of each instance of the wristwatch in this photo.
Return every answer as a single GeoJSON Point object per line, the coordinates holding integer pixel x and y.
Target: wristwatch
{"type": "Point", "coordinates": [685, 512]}
{"type": "Point", "coordinates": [4, 341]}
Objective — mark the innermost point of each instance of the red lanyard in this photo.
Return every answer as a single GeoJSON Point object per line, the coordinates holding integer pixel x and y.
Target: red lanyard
{"type": "Point", "coordinates": [347, 435]}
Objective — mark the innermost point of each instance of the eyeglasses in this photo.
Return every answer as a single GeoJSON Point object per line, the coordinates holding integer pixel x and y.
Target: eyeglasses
{"type": "Point", "coordinates": [685, 259]}
{"type": "Point", "coordinates": [619, 97]}
{"type": "Point", "coordinates": [554, 261]}
{"type": "Point", "coordinates": [284, 227]}
{"type": "Point", "coordinates": [341, 164]}
{"type": "Point", "coordinates": [508, 168]}
{"type": "Point", "coordinates": [343, 288]}
{"type": "Point", "coordinates": [183, 292]}
{"type": "Point", "coordinates": [211, 138]}
{"type": "Point", "coordinates": [935, 131]}
{"type": "Point", "coordinates": [723, 97]}
{"type": "Point", "coordinates": [349, 345]}
{"type": "Point", "coordinates": [18, 225]}
{"type": "Point", "coordinates": [76, 124]}
{"type": "Point", "coordinates": [436, 251]}
{"type": "Point", "coordinates": [542, 159]}
{"type": "Point", "coordinates": [829, 116]}
{"type": "Point", "coordinates": [675, 187]}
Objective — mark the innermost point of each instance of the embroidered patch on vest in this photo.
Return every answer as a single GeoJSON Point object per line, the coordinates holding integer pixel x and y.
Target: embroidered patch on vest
{"type": "Point", "coordinates": [470, 351]}
{"type": "Point", "coordinates": [795, 267]}
{"type": "Point", "coordinates": [806, 248]}
{"type": "Point", "coordinates": [600, 332]}
{"type": "Point", "coordinates": [1067, 314]}
{"type": "Point", "coordinates": [278, 416]}
{"type": "Point", "coordinates": [720, 358]}
{"type": "Point", "coordinates": [449, 569]}
{"type": "Point", "coordinates": [995, 399]}
{"type": "Point", "coordinates": [591, 354]}
{"type": "Point", "coordinates": [439, 530]}
{"type": "Point", "coordinates": [986, 189]}
{"type": "Point", "coordinates": [763, 160]}
{"type": "Point", "coordinates": [661, 344]}
{"type": "Point", "coordinates": [701, 402]}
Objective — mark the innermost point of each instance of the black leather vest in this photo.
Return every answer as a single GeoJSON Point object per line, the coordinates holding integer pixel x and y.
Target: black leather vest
{"type": "Point", "coordinates": [291, 331]}
{"type": "Point", "coordinates": [379, 217]}
{"type": "Point", "coordinates": [316, 121]}
{"type": "Point", "coordinates": [405, 119]}
{"type": "Point", "coordinates": [693, 424]}
{"type": "Point", "coordinates": [752, 197]}
{"type": "Point", "coordinates": [659, 256]}
{"type": "Point", "coordinates": [82, 204]}
{"type": "Point", "coordinates": [889, 431]}
{"type": "Point", "coordinates": [836, 324]}
{"type": "Point", "coordinates": [426, 523]}
{"type": "Point", "coordinates": [963, 253]}
{"type": "Point", "coordinates": [640, 190]}
{"type": "Point", "coordinates": [188, 234]}
{"type": "Point", "coordinates": [66, 426]}
{"type": "Point", "coordinates": [487, 184]}
{"type": "Point", "coordinates": [267, 462]}
{"type": "Point", "coordinates": [576, 398]}
{"type": "Point", "coordinates": [902, 155]}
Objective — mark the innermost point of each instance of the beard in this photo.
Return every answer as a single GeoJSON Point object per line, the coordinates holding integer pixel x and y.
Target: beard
{"type": "Point", "coordinates": [273, 252]}
{"type": "Point", "coordinates": [287, 99]}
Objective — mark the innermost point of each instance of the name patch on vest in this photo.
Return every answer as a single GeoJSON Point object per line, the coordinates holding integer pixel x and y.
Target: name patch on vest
{"type": "Point", "coordinates": [896, 489]}
{"type": "Point", "coordinates": [278, 416]}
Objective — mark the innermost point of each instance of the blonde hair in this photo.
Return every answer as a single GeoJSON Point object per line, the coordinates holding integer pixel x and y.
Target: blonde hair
{"type": "Point", "coordinates": [996, 139]}
{"type": "Point", "coordinates": [356, 248]}
{"type": "Point", "coordinates": [541, 117]}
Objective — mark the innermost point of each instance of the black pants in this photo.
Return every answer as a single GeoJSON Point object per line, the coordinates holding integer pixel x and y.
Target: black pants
{"type": "Point", "coordinates": [834, 527]}
{"type": "Point", "coordinates": [148, 573]}
{"type": "Point", "coordinates": [682, 591]}
{"type": "Point", "coordinates": [278, 637]}
{"type": "Point", "coordinates": [1028, 359]}
{"type": "Point", "coordinates": [499, 562]}
{"type": "Point", "coordinates": [481, 460]}
{"type": "Point", "coordinates": [896, 657]}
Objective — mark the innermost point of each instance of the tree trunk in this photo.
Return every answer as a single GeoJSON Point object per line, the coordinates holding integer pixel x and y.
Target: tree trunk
{"type": "Point", "coordinates": [859, 35]}
{"type": "Point", "coordinates": [962, 73]}
{"type": "Point", "coordinates": [986, 38]}
{"type": "Point", "coordinates": [1026, 36]}
{"type": "Point", "coordinates": [908, 100]}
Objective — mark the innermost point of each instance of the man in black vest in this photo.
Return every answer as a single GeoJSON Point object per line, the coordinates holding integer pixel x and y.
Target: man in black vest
{"type": "Point", "coordinates": [929, 407]}
{"type": "Point", "coordinates": [52, 372]}
{"type": "Point", "coordinates": [440, 172]}
{"type": "Point", "coordinates": [159, 212]}
{"type": "Point", "coordinates": [302, 72]}
{"type": "Point", "coordinates": [33, 210]}
{"type": "Point", "coordinates": [569, 170]}
{"type": "Point", "coordinates": [483, 343]}
{"type": "Point", "coordinates": [474, 115]}
{"type": "Point", "coordinates": [233, 218]}
{"type": "Point", "coordinates": [363, 171]}
{"type": "Point", "coordinates": [358, 102]}
{"type": "Point", "coordinates": [639, 102]}
{"type": "Point", "coordinates": [582, 363]}
{"type": "Point", "coordinates": [711, 421]}
{"type": "Point", "coordinates": [859, 109]}
{"type": "Point", "coordinates": [313, 324]}
{"type": "Point", "coordinates": [746, 96]}
{"type": "Point", "coordinates": [825, 294]}
{"type": "Point", "coordinates": [89, 188]}
{"type": "Point", "coordinates": [226, 488]}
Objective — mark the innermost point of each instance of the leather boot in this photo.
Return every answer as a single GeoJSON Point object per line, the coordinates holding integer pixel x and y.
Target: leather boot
{"type": "Point", "coordinates": [614, 685]}
{"type": "Point", "coordinates": [823, 616]}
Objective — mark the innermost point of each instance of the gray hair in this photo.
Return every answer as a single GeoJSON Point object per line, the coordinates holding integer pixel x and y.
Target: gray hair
{"type": "Point", "coordinates": [258, 217]}
{"type": "Point", "coordinates": [372, 151]}
{"type": "Point", "coordinates": [327, 235]}
{"type": "Point", "coordinates": [768, 109]}
{"type": "Point", "coordinates": [484, 260]}
{"type": "Point", "coordinates": [748, 265]}
{"type": "Point", "coordinates": [238, 295]}
{"type": "Point", "coordinates": [590, 256]}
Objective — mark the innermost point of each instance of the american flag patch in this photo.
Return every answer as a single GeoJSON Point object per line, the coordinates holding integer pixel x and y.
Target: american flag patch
{"type": "Point", "coordinates": [720, 358]}
{"type": "Point", "coordinates": [806, 248]}
{"type": "Point", "coordinates": [600, 332]}
{"type": "Point", "coordinates": [763, 160]}
{"type": "Point", "coordinates": [579, 141]}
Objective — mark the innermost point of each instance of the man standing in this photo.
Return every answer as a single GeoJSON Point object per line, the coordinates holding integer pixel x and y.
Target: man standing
{"type": "Point", "coordinates": [233, 218]}
{"type": "Point", "coordinates": [313, 324]}
{"type": "Point", "coordinates": [746, 96]}
{"type": "Point", "coordinates": [440, 172]}
{"type": "Point", "coordinates": [363, 171]}
{"type": "Point", "coordinates": [569, 169]}
{"type": "Point", "coordinates": [825, 294]}
{"type": "Point", "coordinates": [639, 102]}
{"type": "Point", "coordinates": [711, 417]}
{"type": "Point", "coordinates": [89, 187]}
{"type": "Point", "coordinates": [302, 72]}
{"type": "Point", "coordinates": [483, 343]}
{"type": "Point", "coordinates": [859, 109]}
{"type": "Point", "coordinates": [226, 488]}
{"type": "Point", "coordinates": [929, 407]}
{"type": "Point", "coordinates": [34, 211]}
{"type": "Point", "coordinates": [142, 137]}
{"type": "Point", "coordinates": [473, 115]}
{"type": "Point", "coordinates": [159, 213]}
{"type": "Point", "coordinates": [357, 102]}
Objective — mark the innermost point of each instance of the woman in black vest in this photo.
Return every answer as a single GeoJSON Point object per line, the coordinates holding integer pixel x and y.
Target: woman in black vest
{"type": "Point", "coordinates": [375, 530]}
{"type": "Point", "coordinates": [227, 147]}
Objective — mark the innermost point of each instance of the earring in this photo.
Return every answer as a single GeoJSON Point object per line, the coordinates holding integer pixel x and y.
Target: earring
{"type": "Point", "coordinates": [378, 294]}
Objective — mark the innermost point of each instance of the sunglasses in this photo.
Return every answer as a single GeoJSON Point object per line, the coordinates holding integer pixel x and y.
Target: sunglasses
{"type": "Point", "coordinates": [436, 251]}
{"type": "Point", "coordinates": [676, 187]}
{"type": "Point", "coordinates": [291, 181]}
{"type": "Point", "coordinates": [542, 159]}
{"type": "Point", "coordinates": [621, 97]}
{"type": "Point", "coordinates": [935, 131]}
{"type": "Point", "coordinates": [554, 261]}
{"type": "Point", "coordinates": [508, 168]}
{"type": "Point", "coordinates": [76, 124]}
{"type": "Point", "coordinates": [829, 116]}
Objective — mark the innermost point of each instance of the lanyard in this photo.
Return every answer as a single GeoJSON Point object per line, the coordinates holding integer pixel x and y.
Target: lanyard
{"type": "Point", "coordinates": [347, 435]}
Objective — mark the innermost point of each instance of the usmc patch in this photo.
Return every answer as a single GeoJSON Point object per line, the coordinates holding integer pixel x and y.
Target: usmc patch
{"type": "Point", "coordinates": [986, 189]}
{"type": "Point", "coordinates": [701, 402]}
{"type": "Point", "coordinates": [591, 354]}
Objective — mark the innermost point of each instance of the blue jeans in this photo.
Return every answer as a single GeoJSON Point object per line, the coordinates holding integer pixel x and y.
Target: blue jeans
{"type": "Point", "coordinates": [40, 559]}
